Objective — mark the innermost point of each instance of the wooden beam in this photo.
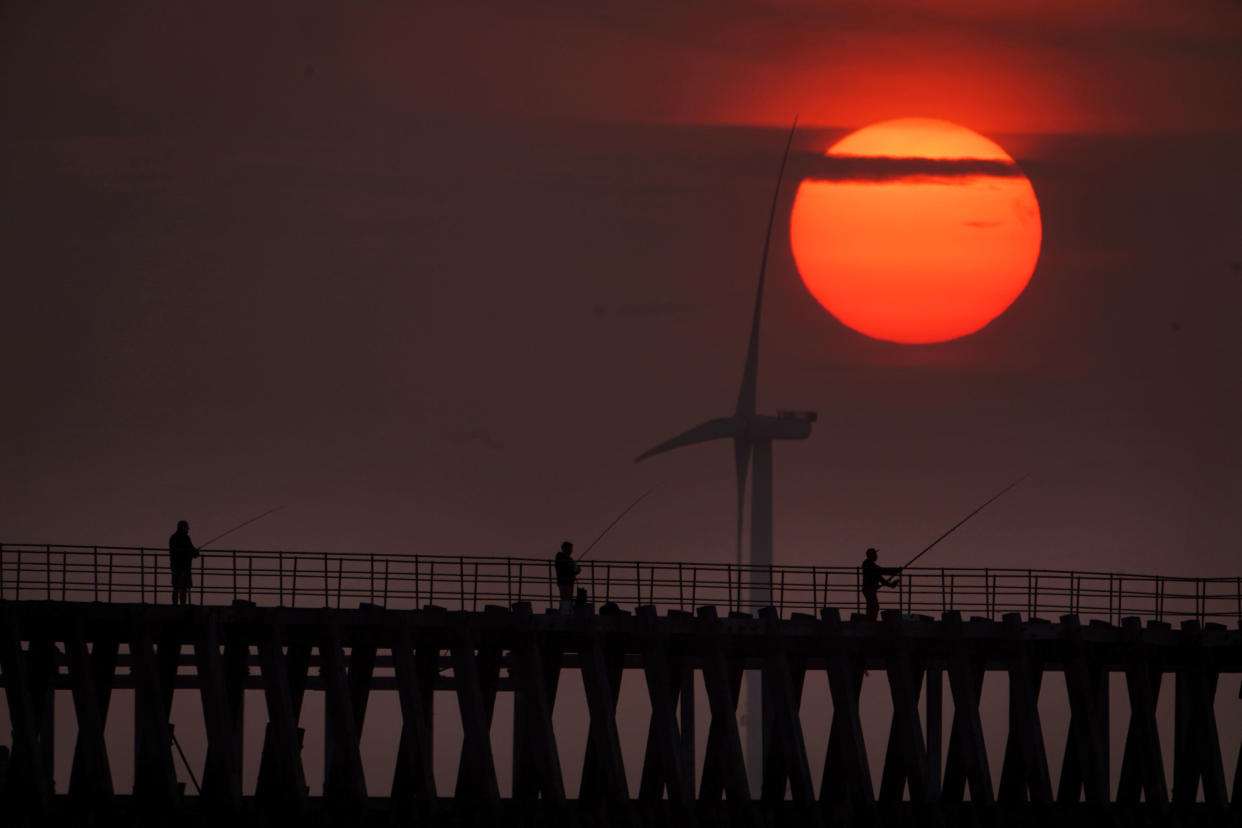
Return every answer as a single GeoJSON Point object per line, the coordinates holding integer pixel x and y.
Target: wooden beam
{"type": "Point", "coordinates": [42, 658]}
{"type": "Point", "coordinates": [345, 785]}
{"type": "Point", "coordinates": [1143, 763]}
{"type": "Point", "coordinates": [236, 677]}
{"type": "Point", "coordinates": [414, 783]}
{"type": "Point", "coordinates": [103, 658]}
{"type": "Point", "coordinates": [289, 795]}
{"type": "Point", "coordinates": [846, 791]}
{"type": "Point", "coordinates": [29, 784]}
{"type": "Point", "coordinates": [591, 785]}
{"type": "Point", "coordinates": [297, 666]}
{"type": "Point", "coordinates": [1024, 771]}
{"type": "Point", "coordinates": [661, 669]}
{"type": "Point", "coordinates": [426, 672]}
{"type": "Point", "coordinates": [716, 772]}
{"type": "Point", "coordinates": [717, 676]}
{"type": "Point", "coordinates": [536, 762]}
{"type": "Point", "coordinates": [222, 785]}
{"type": "Point", "coordinates": [662, 767]}
{"type": "Point", "coordinates": [967, 760]}
{"type": "Point", "coordinates": [1196, 740]}
{"type": "Point", "coordinates": [784, 745]}
{"type": "Point", "coordinates": [935, 723]}
{"type": "Point", "coordinates": [488, 662]}
{"type": "Point", "coordinates": [602, 736]}
{"type": "Point", "coordinates": [905, 761]}
{"type": "Point", "coordinates": [93, 793]}
{"type": "Point", "coordinates": [1085, 768]}
{"type": "Point", "coordinates": [155, 778]}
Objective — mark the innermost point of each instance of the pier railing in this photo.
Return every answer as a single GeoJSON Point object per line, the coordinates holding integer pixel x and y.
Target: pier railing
{"type": "Point", "coordinates": [402, 580]}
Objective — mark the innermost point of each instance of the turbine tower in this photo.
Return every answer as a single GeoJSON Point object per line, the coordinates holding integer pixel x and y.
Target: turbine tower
{"type": "Point", "coordinates": [752, 434]}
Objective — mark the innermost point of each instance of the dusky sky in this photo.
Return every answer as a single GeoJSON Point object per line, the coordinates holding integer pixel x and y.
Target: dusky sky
{"type": "Point", "coordinates": [433, 275]}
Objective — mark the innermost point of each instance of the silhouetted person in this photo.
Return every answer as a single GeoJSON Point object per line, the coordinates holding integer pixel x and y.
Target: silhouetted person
{"type": "Point", "coordinates": [181, 555]}
{"type": "Point", "coordinates": [872, 579]}
{"type": "Point", "coordinates": [566, 572]}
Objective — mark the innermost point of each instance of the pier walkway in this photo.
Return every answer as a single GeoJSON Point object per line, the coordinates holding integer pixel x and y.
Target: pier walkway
{"type": "Point", "coordinates": [504, 708]}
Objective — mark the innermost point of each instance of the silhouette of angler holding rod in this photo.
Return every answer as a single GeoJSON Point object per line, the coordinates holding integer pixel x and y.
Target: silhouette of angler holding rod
{"type": "Point", "coordinates": [181, 555]}
{"type": "Point", "coordinates": [566, 571]}
{"type": "Point", "coordinates": [872, 579]}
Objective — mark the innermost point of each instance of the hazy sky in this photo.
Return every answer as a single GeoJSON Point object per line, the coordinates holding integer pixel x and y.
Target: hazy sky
{"type": "Point", "coordinates": [433, 275]}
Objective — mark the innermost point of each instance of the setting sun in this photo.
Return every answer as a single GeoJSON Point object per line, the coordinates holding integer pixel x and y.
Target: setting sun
{"type": "Point", "coordinates": [923, 231]}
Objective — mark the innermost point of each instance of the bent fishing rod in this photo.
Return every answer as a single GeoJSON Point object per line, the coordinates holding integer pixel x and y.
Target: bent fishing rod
{"type": "Point", "coordinates": [239, 526]}
{"type": "Point", "coordinates": [617, 519]}
{"type": "Point", "coordinates": [957, 525]}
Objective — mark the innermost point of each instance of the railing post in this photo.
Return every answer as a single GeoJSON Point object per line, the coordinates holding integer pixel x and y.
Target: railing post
{"type": "Point", "coordinates": [987, 592]}
{"type": "Point", "coordinates": [293, 586]}
{"type": "Point", "coordinates": [638, 584]}
{"type": "Point", "coordinates": [372, 577]}
{"type": "Point", "coordinates": [280, 578]}
{"type": "Point", "coordinates": [234, 596]}
{"type": "Point", "coordinates": [340, 576]}
{"type": "Point", "coordinates": [142, 575]}
{"type": "Point", "coordinates": [681, 598]}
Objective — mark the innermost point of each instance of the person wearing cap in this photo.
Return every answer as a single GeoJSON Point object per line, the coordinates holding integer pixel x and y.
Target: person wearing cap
{"type": "Point", "coordinates": [181, 555]}
{"type": "Point", "coordinates": [872, 579]}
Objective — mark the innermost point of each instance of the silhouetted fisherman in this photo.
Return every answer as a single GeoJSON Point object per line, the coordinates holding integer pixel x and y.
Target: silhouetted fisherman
{"type": "Point", "coordinates": [566, 572]}
{"type": "Point", "coordinates": [872, 579]}
{"type": "Point", "coordinates": [181, 555]}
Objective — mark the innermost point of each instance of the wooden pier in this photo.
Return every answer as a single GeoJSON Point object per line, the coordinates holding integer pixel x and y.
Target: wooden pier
{"type": "Point", "coordinates": [432, 657]}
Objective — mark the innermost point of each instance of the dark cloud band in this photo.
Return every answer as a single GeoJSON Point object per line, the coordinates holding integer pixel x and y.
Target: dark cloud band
{"type": "Point", "coordinates": [816, 167]}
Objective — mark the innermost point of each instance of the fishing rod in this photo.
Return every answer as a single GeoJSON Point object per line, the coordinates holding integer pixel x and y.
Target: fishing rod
{"type": "Point", "coordinates": [968, 517]}
{"type": "Point", "coordinates": [618, 519]}
{"type": "Point", "coordinates": [239, 526]}
{"type": "Point", "coordinates": [188, 769]}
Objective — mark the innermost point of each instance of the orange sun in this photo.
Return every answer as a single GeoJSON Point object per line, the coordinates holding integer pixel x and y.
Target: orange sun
{"type": "Point", "coordinates": [918, 231]}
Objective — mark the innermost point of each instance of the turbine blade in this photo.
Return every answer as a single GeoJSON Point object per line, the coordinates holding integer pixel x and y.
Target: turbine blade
{"type": "Point", "coordinates": [741, 458]}
{"type": "Point", "coordinates": [750, 374]}
{"type": "Point", "coordinates": [711, 430]}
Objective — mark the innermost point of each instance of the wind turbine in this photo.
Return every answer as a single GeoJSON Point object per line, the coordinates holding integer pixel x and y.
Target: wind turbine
{"type": "Point", "coordinates": [752, 434]}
